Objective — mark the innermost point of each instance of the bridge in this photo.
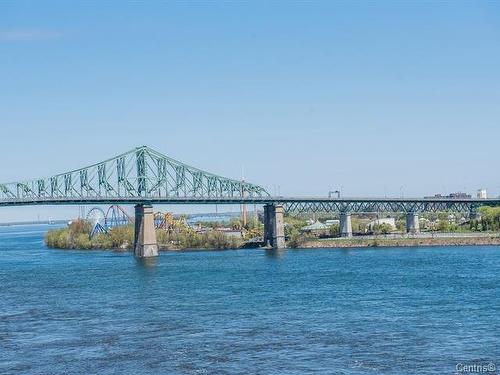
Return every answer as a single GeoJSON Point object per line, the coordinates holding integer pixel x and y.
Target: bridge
{"type": "Point", "coordinates": [144, 177]}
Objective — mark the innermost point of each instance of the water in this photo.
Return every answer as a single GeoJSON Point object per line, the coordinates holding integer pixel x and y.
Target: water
{"type": "Point", "coordinates": [359, 311]}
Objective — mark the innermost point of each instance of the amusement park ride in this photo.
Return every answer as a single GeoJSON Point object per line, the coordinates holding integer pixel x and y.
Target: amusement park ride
{"type": "Point", "coordinates": [144, 177]}
{"type": "Point", "coordinates": [102, 221]}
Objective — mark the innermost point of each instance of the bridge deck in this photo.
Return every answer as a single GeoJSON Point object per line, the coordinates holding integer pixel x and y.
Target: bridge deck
{"type": "Point", "coordinates": [314, 204]}
{"type": "Point", "coordinates": [143, 175]}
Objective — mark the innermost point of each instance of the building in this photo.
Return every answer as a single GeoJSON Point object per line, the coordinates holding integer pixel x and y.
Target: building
{"type": "Point", "coordinates": [388, 220]}
{"type": "Point", "coordinates": [230, 232]}
{"type": "Point", "coordinates": [331, 222]}
{"type": "Point", "coordinates": [482, 194]}
{"type": "Point", "coordinates": [317, 229]}
{"type": "Point", "coordinates": [457, 195]}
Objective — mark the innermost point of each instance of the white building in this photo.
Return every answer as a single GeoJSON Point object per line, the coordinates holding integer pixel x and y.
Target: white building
{"type": "Point", "coordinates": [482, 194]}
{"type": "Point", "coordinates": [388, 220]}
{"type": "Point", "coordinates": [331, 222]}
{"type": "Point", "coordinates": [315, 228]}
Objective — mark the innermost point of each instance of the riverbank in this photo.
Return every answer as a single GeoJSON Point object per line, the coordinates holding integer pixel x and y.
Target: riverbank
{"type": "Point", "coordinates": [401, 242]}
{"type": "Point", "coordinates": [77, 236]}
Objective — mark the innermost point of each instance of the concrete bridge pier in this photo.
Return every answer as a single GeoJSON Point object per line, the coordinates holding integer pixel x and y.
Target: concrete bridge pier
{"type": "Point", "coordinates": [412, 223]}
{"type": "Point", "coordinates": [345, 224]}
{"type": "Point", "coordinates": [145, 244]}
{"type": "Point", "coordinates": [274, 226]}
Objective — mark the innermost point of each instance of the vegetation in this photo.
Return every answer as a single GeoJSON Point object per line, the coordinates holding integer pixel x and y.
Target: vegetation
{"type": "Point", "coordinates": [294, 237]}
{"type": "Point", "coordinates": [189, 239]}
{"type": "Point", "coordinates": [252, 229]}
{"type": "Point", "coordinates": [335, 230]}
{"type": "Point", "coordinates": [77, 236]}
{"type": "Point", "coordinates": [382, 228]}
{"type": "Point", "coordinates": [292, 231]}
{"type": "Point", "coordinates": [489, 221]}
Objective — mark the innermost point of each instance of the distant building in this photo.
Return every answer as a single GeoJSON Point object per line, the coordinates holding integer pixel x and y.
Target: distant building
{"type": "Point", "coordinates": [227, 231]}
{"type": "Point", "coordinates": [331, 222]}
{"type": "Point", "coordinates": [482, 194]}
{"type": "Point", "coordinates": [316, 228]}
{"type": "Point", "coordinates": [231, 232]}
{"type": "Point", "coordinates": [457, 195]}
{"type": "Point", "coordinates": [460, 195]}
{"type": "Point", "coordinates": [388, 220]}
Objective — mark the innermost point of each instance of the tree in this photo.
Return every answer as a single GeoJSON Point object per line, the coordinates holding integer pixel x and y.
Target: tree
{"type": "Point", "coordinates": [235, 223]}
{"type": "Point", "coordinates": [382, 228]}
{"type": "Point", "coordinates": [335, 230]}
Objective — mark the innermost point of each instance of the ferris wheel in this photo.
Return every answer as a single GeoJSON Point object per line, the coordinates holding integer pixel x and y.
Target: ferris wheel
{"type": "Point", "coordinates": [96, 216]}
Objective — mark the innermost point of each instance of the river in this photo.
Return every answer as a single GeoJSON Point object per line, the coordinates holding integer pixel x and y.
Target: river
{"type": "Point", "coordinates": [322, 311]}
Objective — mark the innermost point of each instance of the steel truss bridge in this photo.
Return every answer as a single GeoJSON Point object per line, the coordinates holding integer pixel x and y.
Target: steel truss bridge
{"type": "Point", "coordinates": [370, 205]}
{"type": "Point", "coordinates": [138, 175]}
{"type": "Point", "coordinates": [145, 176]}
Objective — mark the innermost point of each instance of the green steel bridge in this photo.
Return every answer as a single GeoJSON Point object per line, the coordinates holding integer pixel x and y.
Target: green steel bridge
{"type": "Point", "coordinates": [144, 177]}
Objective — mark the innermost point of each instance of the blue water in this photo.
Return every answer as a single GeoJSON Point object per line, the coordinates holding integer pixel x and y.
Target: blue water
{"type": "Point", "coordinates": [358, 311]}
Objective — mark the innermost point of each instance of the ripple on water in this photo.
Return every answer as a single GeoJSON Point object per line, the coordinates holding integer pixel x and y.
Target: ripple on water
{"type": "Point", "coordinates": [402, 311]}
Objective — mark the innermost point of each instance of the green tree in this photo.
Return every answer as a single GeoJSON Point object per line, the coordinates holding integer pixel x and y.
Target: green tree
{"type": "Point", "coordinates": [382, 228]}
{"type": "Point", "coordinates": [335, 230]}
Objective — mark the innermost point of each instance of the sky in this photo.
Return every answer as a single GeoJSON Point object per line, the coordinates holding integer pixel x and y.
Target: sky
{"type": "Point", "coordinates": [382, 98]}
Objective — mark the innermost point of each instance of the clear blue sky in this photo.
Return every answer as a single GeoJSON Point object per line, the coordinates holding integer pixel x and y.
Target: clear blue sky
{"type": "Point", "coordinates": [376, 97]}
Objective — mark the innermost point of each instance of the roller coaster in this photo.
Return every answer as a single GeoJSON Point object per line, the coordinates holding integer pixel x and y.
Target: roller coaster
{"type": "Point", "coordinates": [166, 221]}
{"type": "Point", "coordinates": [102, 221]}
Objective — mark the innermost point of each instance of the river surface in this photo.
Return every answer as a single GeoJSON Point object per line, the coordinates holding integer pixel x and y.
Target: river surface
{"type": "Point", "coordinates": [322, 311]}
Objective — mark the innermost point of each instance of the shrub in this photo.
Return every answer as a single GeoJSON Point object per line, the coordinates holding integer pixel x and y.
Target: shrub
{"type": "Point", "coordinates": [82, 241]}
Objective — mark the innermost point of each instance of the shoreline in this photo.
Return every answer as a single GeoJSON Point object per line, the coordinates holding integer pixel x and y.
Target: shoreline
{"type": "Point", "coordinates": [121, 239]}
{"type": "Point", "coordinates": [402, 242]}
{"type": "Point", "coordinates": [336, 244]}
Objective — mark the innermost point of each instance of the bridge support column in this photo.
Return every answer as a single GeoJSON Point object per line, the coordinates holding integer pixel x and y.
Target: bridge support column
{"type": "Point", "coordinates": [274, 226]}
{"type": "Point", "coordinates": [268, 234]}
{"type": "Point", "coordinates": [345, 224]}
{"type": "Point", "coordinates": [412, 223]}
{"type": "Point", "coordinates": [145, 244]}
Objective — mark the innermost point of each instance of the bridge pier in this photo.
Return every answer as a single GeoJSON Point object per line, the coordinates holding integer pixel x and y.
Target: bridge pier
{"type": "Point", "coordinates": [274, 226]}
{"type": "Point", "coordinates": [412, 223]}
{"type": "Point", "coordinates": [145, 244]}
{"type": "Point", "coordinates": [345, 224]}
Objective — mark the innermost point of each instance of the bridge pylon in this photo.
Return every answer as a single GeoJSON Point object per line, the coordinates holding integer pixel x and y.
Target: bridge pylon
{"type": "Point", "coordinates": [345, 224]}
{"type": "Point", "coordinates": [412, 223]}
{"type": "Point", "coordinates": [274, 226]}
{"type": "Point", "coordinates": [145, 244]}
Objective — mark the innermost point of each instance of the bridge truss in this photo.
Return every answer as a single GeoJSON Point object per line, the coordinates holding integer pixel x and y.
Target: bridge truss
{"type": "Point", "coordinates": [140, 174]}
{"type": "Point", "coordinates": [145, 176]}
{"type": "Point", "coordinates": [387, 205]}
